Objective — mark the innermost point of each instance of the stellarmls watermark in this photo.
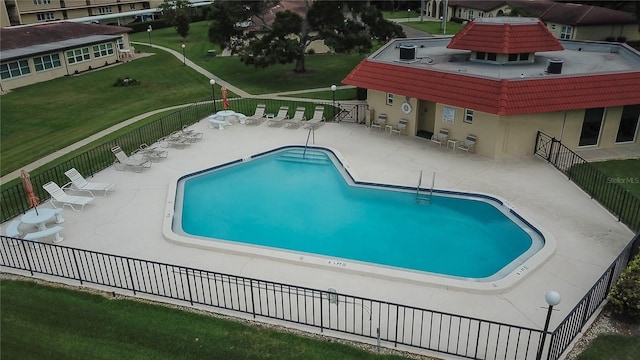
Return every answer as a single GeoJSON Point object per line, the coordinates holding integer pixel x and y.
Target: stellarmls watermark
{"type": "Point", "coordinates": [623, 180]}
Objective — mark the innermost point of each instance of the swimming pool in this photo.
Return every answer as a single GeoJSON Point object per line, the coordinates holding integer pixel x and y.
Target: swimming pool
{"type": "Point", "coordinates": [282, 203]}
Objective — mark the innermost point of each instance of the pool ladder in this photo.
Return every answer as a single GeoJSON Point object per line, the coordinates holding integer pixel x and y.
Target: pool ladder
{"type": "Point", "coordinates": [425, 196]}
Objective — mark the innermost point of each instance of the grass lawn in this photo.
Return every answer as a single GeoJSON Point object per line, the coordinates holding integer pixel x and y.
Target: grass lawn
{"type": "Point", "coordinates": [434, 27]}
{"type": "Point", "coordinates": [606, 347]}
{"type": "Point", "coordinates": [34, 126]}
{"type": "Point", "coordinates": [323, 70]}
{"type": "Point", "coordinates": [42, 322]}
{"type": "Point", "coordinates": [624, 172]}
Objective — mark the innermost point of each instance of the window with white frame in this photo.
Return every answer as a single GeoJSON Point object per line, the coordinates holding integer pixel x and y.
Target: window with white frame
{"type": "Point", "coordinates": [470, 15]}
{"type": "Point", "coordinates": [41, 2]}
{"type": "Point", "coordinates": [566, 32]}
{"type": "Point", "coordinates": [46, 16]}
{"type": "Point", "coordinates": [47, 62]}
{"type": "Point", "coordinates": [132, 6]}
{"type": "Point", "coordinates": [120, 44]}
{"type": "Point", "coordinates": [389, 99]}
{"type": "Point", "coordinates": [104, 10]}
{"type": "Point", "coordinates": [78, 55]}
{"type": "Point", "coordinates": [481, 14]}
{"type": "Point", "coordinates": [14, 69]}
{"type": "Point", "coordinates": [468, 116]}
{"type": "Point", "coordinates": [553, 26]}
{"type": "Point", "coordinates": [102, 50]}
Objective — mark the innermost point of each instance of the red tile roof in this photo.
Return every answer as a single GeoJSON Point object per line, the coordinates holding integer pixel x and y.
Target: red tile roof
{"type": "Point", "coordinates": [499, 96]}
{"type": "Point", "coordinates": [24, 36]}
{"type": "Point", "coordinates": [505, 35]}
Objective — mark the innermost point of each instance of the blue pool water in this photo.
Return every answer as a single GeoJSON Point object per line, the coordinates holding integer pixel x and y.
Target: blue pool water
{"type": "Point", "coordinates": [281, 201]}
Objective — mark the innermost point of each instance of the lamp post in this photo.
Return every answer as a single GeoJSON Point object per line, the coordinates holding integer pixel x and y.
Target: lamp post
{"type": "Point", "coordinates": [213, 94]}
{"type": "Point", "coordinates": [184, 57]}
{"type": "Point", "coordinates": [408, 13]}
{"type": "Point", "coordinates": [149, 33]}
{"type": "Point", "coordinates": [552, 298]}
{"type": "Point", "coordinates": [333, 93]}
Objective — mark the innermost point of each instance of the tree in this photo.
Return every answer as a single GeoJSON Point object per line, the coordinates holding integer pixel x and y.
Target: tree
{"type": "Point", "coordinates": [345, 26]}
{"type": "Point", "coordinates": [178, 14]}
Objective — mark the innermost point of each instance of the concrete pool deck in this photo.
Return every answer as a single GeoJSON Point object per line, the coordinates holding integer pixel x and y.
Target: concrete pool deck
{"type": "Point", "coordinates": [587, 237]}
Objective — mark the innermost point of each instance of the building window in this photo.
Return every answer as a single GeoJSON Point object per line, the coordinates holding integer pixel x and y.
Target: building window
{"type": "Point", "coordinates": [104, 10]}
{"type": "Point", "coordinates": [481, 14]}
{"type": "Point", "coordinates": [566, 32]}
{"type": "Point", "coordinates": [628, 128]}
{"type": "Point", "coordinates": [78, 55]}
{"type": "Point", "coordinates": [46, 62]}
{"type": "Point", "coordinates": [480, 55]}
{"type": "Point", "coordinates": [513, 57]}
{"type": "Point", "coordinates": [46, 16]}
{"type": "Point", "coordinates": [468, 116]}
{"type": "Point", "coordinates": [470, 15]}
{"type": "Point", "coordinates": [492, 56]}
{"type": "Point", "coordinates": [41, 2]}
{"type": "Point", "coordinates": [524, 56]}
{"type": "Point", "coordinates": [14, 69]}
{"type": "Point", "coordinates": [132, 6]}
{"type": "Point", "coordinates": [389, 99]}
{"type": "Point", "coordinates": [553, 26]}
{"type": "Point", "coordinates": [120, 44]}
{"type": "Point", "coordinates": [102, 50]}
{"type": "Point", "coordinates": [591, 126]}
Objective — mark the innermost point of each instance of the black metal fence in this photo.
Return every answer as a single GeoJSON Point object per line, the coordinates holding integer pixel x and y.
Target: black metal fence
{"type": "Point", "coordinates": [327, 310]}
{"type": "Point", "coordinates": [607, 190]}
{"type": "Point", "coordinates": [13, 200]}
{"type": "Point", "coordinates": [392, 323]}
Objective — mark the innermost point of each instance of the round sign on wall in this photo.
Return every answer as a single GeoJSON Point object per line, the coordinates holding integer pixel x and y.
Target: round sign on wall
{"type": "Point", "coordinates": [406, 108]}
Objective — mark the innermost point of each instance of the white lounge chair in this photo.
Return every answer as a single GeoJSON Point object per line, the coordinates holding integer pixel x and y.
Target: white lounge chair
{"type": "Point", "coordinates": [137, 163]}
{"type": "Point", "coordinates": [441, 137]}
{"type": "Point", "coordinates": [175, 139]}
{"type": "Point", "coordinates": [79, 183]}
{"type": "Point", "coordinates": [317, 119]}
{"type": "Point", "coordinates": [59, 197]}
{"type": "Point", "coordinates": [258, 116]}
{"type": "Point", "coordinates": [379, 122]}
{"type": "Point", "coordinates": [469, 143]}
{"type": "Point", "coordinates": [399, 127]}
{"type": "Point", "coordinates": [296, 119]}
{"type": "Point", "coordinates": [279, 118]}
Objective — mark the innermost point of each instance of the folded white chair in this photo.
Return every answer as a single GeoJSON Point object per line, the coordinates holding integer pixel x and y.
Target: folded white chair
{"type": "Point", "coordinates": [59, 197]}
{"type": "Point", "coordinates": [79, 183]}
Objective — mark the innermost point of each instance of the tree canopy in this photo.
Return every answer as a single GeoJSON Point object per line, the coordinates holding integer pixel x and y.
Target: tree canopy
{"type": "Point", "coordinates": [245, 28]}
{"type": "Point", "coordinates": [177, 13]}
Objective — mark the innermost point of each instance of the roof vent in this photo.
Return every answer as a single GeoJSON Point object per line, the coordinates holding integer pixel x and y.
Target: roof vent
{"type": "Point", "coordinates": [554, 66]}
{"type": "Point", "coordinates": [407, 52]}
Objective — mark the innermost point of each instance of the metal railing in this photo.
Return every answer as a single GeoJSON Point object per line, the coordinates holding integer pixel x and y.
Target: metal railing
{"type": "Point", "coordinates": [327, 310]}
{"type": "Point", "coordinates": [13, 200]}
{"type": "Point", "coordinates": [393, 323]}
{"type": "Point", "coordinates": [605, 189]}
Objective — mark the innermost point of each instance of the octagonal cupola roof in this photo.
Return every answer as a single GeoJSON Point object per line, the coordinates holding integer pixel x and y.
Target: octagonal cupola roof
{"type": "Point", "coordinates": [505, 35]}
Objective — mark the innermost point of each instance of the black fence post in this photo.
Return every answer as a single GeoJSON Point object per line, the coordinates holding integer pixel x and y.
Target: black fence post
{"type": "Point", "coordinates": [75, 260]}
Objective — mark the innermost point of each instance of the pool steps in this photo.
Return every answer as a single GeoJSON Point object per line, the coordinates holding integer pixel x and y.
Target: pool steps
{"type": "Point", "coordinates": [308, 156]}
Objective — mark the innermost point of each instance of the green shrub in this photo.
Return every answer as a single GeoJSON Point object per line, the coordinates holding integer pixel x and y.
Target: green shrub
{"type": "Point", "coordinates": [126, 82]}
{"type": "Point", "coordinates": [624, 298]}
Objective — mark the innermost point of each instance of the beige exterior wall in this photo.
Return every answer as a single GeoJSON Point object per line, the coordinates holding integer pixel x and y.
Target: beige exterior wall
{"type": "Point", "coordinates": [498, 136]}
{"type": "Point", "coordinates": [4, 16]}
{"type": "Point", "coordinates": [599, 33]}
